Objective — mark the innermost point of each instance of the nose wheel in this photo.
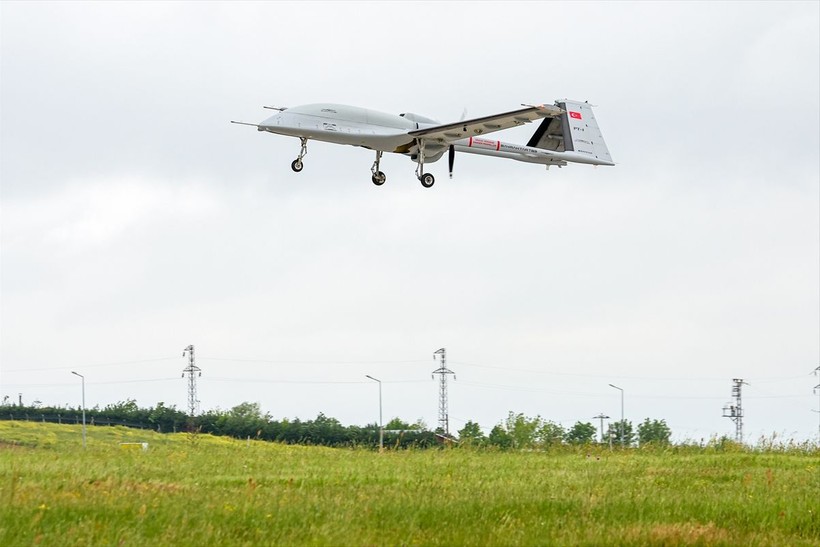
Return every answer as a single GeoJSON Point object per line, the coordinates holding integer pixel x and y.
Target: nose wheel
{"type": "Point", "coordinates": [297, 164]}
{"type": "Point", "coordinates": [427, 180]}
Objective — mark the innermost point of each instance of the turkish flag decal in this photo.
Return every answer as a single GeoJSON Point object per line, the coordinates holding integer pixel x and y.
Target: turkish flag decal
{"type": "Point", "coordinates": [576, 115]}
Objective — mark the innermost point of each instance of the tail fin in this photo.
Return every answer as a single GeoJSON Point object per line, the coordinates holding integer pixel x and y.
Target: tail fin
{"type": "Point", "coordinates": [573, 131]}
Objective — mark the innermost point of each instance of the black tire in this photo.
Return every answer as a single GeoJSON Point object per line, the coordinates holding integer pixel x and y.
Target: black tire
{"type": "Point", "coordinates": [427, 180]}
{"type": "Point", "coordinates": [297, 166]}
{"type": "Point", "coordinates": [379, 178]}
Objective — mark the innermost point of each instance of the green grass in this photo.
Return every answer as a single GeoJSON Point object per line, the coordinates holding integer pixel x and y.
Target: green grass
{"type": "Point", "coordinates": [218, 491]}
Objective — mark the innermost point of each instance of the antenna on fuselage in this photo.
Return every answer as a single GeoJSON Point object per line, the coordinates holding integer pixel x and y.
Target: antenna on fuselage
{"type": "Point", "coordinates": [246, 123]}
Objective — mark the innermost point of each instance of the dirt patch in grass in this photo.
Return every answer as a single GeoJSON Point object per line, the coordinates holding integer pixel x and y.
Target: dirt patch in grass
{"type": "Point", "coordinates": [15, 445]}
{"type": "Point", "coordinates": [116, 485]}
{"type": "Point", "coordinates": [681, 533]}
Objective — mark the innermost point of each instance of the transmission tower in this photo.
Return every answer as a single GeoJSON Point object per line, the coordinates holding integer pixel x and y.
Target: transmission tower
{"type": "Point", "coordinates": [192, 371]}
{"type": "Point", "coordinates": [735, 411]}
{"type": "Point", "coordinates": [443, 371]}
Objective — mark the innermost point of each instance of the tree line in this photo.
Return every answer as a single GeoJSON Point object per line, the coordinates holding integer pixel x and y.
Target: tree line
{"type": "Point", "coordinates": [519, 431]}
{"type": "Point", "coordinates": [247, 420]}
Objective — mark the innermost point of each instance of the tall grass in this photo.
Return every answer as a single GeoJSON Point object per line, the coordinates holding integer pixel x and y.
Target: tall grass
{"type": "Point", "coordinates": [217, 491]}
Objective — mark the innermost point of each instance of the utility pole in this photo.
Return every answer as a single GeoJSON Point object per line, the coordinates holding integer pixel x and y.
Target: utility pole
{"type": "Point", "coordinates": [601, 417]}
{"type": "Point", "coordinates": [735, 411]}
{"type": "Point", "coordinates": [192, 371]}
{"type": "Point", "coordinates": [622, 425]}
{"type": "Point", "coordinates": [381, 421]}
{"type": "Point", "coordinates": [83, 382]}
{"type": "Point", "coordinates": [443, 371]}
{"type": "Point", "coordinates": [817, 391]}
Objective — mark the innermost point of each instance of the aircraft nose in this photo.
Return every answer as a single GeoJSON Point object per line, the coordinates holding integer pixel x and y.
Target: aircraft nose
{"type": "Point", "coordinates": [267, 123]}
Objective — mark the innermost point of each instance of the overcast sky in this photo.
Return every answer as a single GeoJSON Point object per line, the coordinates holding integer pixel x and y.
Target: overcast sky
{"type": "Point", "coordinates": [136, 220]}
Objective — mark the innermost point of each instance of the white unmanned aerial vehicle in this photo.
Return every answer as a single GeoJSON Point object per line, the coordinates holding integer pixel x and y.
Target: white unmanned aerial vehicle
{"type": "Point", "coordinates": [568, 133]}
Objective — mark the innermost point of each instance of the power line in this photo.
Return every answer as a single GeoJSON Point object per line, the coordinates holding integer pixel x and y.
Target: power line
{"type": "Point", "coordinates": [483, 385]}
{"type": "Point", "coordinates": [302, 362]}
{"type": "Point", "coordinates": [596, 395]}
{"type": "Point", "coordinates": [112, 382]}
{"type": "Point", "coordinates": [765, 379]}
{"type": "Point", "coordinates": [112, 364]}
{"type": "Point", "coordinates": [332, 382]}
{"type": "Point", "coordinates": [771, 379]}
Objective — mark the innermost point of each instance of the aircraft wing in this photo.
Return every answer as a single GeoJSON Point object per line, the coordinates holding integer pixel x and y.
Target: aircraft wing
{"type": "Point", "coordinates": [488, 124]}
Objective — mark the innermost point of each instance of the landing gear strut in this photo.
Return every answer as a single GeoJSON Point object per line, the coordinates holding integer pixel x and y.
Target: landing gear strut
{"type": "Point", "coordinates": [297, 164]}
{"type": "Point", "coordinates": [378, 177]}
{"type": "Point", "coordinates": [426, 179]}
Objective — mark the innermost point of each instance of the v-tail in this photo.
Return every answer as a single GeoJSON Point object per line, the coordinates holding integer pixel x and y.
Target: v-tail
{"type": "Point", "coordinates": [574, 137]}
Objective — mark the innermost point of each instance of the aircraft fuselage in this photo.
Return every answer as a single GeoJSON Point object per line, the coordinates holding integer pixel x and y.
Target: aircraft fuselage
{"type": "Point", "coordinates": [342, 124]}
{"type": "Point", "coordinates": [355, 126]}
{"type": "Point", "coordinates": [567, 132]}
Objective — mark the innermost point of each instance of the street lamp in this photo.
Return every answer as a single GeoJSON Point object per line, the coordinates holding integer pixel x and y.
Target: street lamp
{"type": "Point", "coordinates": [622, 413]}
{"type": "Point", "coordinates": [381, 423]}
{"type": "Point", "coordinates": [83, 382]}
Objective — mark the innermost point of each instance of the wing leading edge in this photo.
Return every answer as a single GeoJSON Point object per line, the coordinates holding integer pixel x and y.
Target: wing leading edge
{"type": "Point", "coordinates": [488, 124]}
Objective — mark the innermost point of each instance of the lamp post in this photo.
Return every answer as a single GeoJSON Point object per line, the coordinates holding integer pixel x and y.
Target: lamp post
{"type": "Point", "coordinates": [621, 432]}
{"type": "Point", "coordinates": [83, 383]}
{"type": "Point", "coordinates": [381, 422]}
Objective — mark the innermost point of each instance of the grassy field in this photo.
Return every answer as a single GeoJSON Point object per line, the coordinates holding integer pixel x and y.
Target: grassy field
{"type": "Point", "coordinates": [218, 491]}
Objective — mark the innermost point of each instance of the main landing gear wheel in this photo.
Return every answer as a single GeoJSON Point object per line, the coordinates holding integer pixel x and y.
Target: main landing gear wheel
{"type": "Point", "coordinates": [297, 165]}
{"type": "Point", "coordinates": [426, 179]}
{"type": "Point", "coordinates": [378, 178]}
